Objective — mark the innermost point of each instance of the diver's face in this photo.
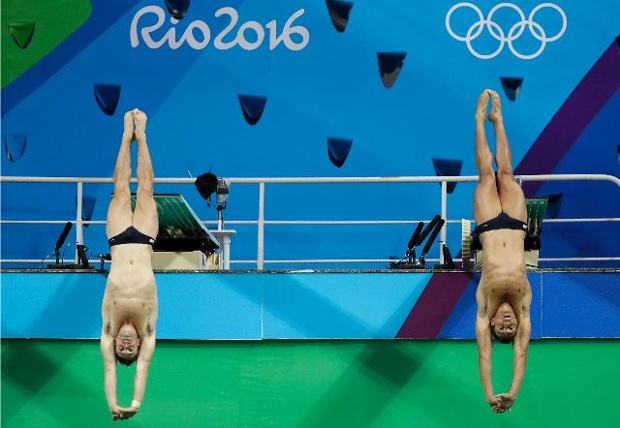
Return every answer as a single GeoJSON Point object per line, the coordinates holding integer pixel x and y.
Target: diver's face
{"type": "Point", "coordinates": [504, 323]}
{"type": "Point", "coordinates": [127, 342]}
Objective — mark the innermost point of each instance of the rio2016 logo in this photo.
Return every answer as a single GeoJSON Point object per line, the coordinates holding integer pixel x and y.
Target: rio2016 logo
{"type": "Point", "coordinates": [197, 35]}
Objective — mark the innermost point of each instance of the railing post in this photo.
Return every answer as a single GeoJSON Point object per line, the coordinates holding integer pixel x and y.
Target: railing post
{"type": "Point", "coordinates": [260, 250]}
{"type": "Point", "coordinates": [444, 215]}
{"type": "Point", "coordinates": [79, 232]}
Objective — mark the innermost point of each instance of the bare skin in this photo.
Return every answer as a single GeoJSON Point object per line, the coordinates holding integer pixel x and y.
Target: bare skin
{"type": "Point", "coordinates": [129, 308]}
{"type": "Point", "coordinates": [504, 295]}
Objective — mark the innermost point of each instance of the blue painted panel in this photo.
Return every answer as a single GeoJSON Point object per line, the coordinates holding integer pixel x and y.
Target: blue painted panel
{"type": "Point", "coordinates": [536, 311]}
{"type": "Point", "coordinates": [578, 305]}
{"type": "Point", "coordinates": [460, 324]}
{"type": "Point", "coordinates": [209, 306]}
{"type": "Point", "coordinates": [245, 305]}
{"type": "Point", "coordinates": [339, 305]}
{"type": "Point", "coordinates": [52, 305]}
{"type": "Point", "coordinates": [191, 306]}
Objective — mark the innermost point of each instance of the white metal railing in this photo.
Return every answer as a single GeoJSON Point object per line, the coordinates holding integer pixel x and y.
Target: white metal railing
{"type": "Point", "coordinates": [261, 222]}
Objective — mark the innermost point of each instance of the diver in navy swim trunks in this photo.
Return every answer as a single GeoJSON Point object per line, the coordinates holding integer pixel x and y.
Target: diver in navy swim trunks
{"type": "Point", "coordinates": [504, 295]}
{"type": "Point", "coordinates": [129, 309]}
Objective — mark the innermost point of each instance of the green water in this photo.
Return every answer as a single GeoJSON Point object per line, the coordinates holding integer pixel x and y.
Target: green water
{"type": "Point", "coordinates": [379, 383]}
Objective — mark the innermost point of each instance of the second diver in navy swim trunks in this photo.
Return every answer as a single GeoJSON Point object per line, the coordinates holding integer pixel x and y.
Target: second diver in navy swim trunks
{"type": "Point", "coordinates": [502, 221]}
{"type": "Point", "coordinates": [504, 294]}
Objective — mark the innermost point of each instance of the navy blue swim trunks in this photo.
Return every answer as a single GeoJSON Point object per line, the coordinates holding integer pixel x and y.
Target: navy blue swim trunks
{"type": "Point", "coordinates": [502, 221]}
{"type": "Point", "coordinates": [131, 235]}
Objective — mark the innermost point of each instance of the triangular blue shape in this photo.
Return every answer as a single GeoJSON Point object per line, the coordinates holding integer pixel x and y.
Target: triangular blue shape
{"type": "Point", "coordinates": [554, 204]}
{"type": "Point", "coordinates": [448, 167]}
{"type": "Point", "coordinates": [511, 86]}
{"type": "Point", "coordinates": [177, 8]}
{"type": "Point", "coordinates": [22, 32]}
{"type": "Point", "coordinates": [252, 107]}
{"type": "Point", "coordinates": [107, 97]}
{"type": "Point", "coordinates": [15, 146]}
{"type": "Point", "coordinates": [338, 150]}
{"type": "Point", "coordinates": [390, 64]}
{"type": "Point", "coordinates": [88, 206]}
{"type": "Point", "coordinates": [339, 12]}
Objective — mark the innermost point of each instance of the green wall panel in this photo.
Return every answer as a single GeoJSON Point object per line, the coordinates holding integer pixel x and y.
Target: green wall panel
{"type": "Point", "coordinates": [54, 22]}
{"type": "Point", "coordinates": [380, 383]}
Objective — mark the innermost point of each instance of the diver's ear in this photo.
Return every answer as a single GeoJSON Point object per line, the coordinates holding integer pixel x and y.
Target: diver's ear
{"type": "Point", "coordinates": [492, 322]}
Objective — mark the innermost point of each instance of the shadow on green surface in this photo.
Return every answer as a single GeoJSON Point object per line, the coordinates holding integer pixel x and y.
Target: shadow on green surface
{"type": "Point", "coordinates": [41, 378]}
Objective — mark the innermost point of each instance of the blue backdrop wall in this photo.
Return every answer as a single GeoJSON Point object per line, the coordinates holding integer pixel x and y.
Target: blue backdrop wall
{"type": "Point", "coordinates": [317, 67]}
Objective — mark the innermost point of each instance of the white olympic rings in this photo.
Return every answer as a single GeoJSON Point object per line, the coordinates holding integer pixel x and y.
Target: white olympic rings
{"type": "Point", "coordinates": [497, 32]}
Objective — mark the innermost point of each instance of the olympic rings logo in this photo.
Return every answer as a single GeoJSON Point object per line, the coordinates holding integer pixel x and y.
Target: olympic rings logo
{"type": "Point", "coordinates": [498, 33]}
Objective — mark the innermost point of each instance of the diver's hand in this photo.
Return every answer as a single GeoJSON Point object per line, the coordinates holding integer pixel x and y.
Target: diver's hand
{"type": "Point", "coordinates": [505, 402]}
{"type": "Point", "coordinates": [120, 413]}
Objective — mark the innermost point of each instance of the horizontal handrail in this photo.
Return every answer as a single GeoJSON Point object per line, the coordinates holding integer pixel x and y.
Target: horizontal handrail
{"type": "Point", "coordinates": [324, 180]}
{"type": "Point", "coordinates": [322, 222]}
{"type": "Point", "coordinates": [261, 221]}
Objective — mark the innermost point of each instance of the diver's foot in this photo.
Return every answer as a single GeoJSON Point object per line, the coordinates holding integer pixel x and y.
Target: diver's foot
{"type": "Point", "coordinates": [140, 121]}
{"type": "Point", "coordinates": [128, 122]}
{"type": "Point", "coordinates": [495, 115]}
{"type": "Point", "coordinates": [483, 104]}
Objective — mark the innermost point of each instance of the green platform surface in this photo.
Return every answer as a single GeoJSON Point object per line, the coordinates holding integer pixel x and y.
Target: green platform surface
{"type": "Point", "coordinates": [337, 383]}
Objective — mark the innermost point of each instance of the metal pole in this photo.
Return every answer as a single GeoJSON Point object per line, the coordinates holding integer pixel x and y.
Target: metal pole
{"type": "Point", "coordinates": [444, 210]}
{"type": "Point", "coordinates": [260, 251]}
{"type": "Point", "coordinates": [220, 228]}
{"type": "Point", "coordinates": [79, 232]}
